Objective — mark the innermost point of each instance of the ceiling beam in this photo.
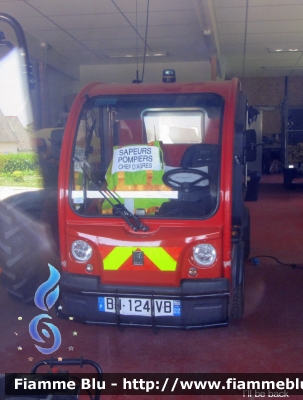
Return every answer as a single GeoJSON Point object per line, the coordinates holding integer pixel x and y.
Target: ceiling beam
{"type": "Point", "coordinates": [207, 21]}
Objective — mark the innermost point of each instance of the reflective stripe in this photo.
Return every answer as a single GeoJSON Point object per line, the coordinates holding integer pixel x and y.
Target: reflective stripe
{"type": "Point", "coordinates": [117, 257]}
{"type": "Point", "coordinates": [160, 258]}
{"type": "Point", "coordinates": [143, 187]}
{"type": "Point", "coordinates": [157, 255]}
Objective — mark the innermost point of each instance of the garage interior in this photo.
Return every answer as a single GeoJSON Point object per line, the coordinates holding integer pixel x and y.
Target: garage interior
{"type": "Point", "coordinates": [74, 42]}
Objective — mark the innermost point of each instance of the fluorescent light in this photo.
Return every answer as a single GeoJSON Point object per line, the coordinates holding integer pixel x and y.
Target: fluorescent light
{"type": "Point", "coordinates": [163, 54]}
{"type": "Point", "coordinates": [281, 68]}
{"type": "Point", "coordinates": [284, 50]}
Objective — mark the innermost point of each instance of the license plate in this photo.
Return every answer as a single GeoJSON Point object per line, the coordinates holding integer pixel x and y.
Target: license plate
{"type": "Point", "coordinates": [131, 306]}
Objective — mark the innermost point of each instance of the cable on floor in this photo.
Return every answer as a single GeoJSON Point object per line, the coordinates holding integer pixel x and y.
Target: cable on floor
{"type": "Point", "coordinates": [255, 260]}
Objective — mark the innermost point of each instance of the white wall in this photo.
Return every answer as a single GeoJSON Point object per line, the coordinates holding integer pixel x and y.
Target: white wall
{"type": "Point", "coordinates": [51, 57]}
{"type": "Point", "coordinates": [58, 87]}
{"type": "Point", "coordinates": [126, 73]}
{"type": "Point", "coordinates": [8, 148]}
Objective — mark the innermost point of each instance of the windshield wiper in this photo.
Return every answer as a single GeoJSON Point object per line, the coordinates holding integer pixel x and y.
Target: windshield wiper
{"type": "Point", "coordinates": [131, 219]}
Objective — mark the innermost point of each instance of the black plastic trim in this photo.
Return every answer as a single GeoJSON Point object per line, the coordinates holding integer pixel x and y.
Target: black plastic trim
{"type": "Point", "coordinates": [204, 302]}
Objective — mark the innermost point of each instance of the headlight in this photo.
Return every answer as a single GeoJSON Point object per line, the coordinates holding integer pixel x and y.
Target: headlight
{"type": "Point", "coordinates": [81, 250]}
{"type": "Point", "coordinates": [204, 254]}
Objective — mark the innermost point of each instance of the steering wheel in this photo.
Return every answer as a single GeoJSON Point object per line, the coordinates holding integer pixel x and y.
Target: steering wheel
{"type": "Point", "coordinates": [168, 180]}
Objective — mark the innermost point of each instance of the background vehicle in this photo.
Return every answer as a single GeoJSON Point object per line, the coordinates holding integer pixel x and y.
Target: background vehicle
{"type": "Point", "coordinates": [291, 141]}
{"type": "Point", "coordinates": [152, 224]}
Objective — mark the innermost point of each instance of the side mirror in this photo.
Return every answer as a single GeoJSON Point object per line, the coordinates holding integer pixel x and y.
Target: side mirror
{"type": "Point", "coordinates": [250, 141]}
{"type": "Point", "coordinates": [22, 46]}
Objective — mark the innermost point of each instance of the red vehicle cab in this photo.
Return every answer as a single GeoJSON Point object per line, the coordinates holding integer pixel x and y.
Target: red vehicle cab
{"type": "Point", "coordinates": [153, 227]}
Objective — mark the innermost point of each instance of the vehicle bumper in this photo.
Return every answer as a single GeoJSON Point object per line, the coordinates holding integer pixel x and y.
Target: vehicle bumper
{"type": "Point", "coordinates": [203, 302]}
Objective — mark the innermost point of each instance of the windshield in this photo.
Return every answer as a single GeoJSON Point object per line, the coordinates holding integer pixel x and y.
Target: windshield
{"type": "Point", "coordinates": [157, 156]}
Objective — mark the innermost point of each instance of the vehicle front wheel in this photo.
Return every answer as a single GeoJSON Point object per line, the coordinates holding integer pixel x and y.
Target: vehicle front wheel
{"type": "Point", "coordinates": [236, 307]}
{"type": "Point", "coordinates": [26, 248]}
{"type": "Point", "coordinates": [237, 302]}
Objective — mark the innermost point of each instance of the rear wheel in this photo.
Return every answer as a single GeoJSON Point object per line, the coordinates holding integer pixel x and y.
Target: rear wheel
{"type": "Point", "coordinates": [26, 248]}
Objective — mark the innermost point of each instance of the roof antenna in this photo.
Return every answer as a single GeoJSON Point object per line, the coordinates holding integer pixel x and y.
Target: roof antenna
{"type": "Point", "coordinates": [137, 80]}
{"type": "Point", "coordinates": [145, 40]}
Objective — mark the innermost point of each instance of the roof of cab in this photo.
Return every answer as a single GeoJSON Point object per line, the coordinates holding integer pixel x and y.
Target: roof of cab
{"type": "Point", "coordinates": [222, 88]}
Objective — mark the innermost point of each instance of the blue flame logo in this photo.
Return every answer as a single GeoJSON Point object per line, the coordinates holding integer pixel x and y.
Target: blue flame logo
{"type": "Point", "coordinates": [33, 330]}
{"type": "Point", "coordinates": [41, 293]}
{"type": "Point", "coordinates": [45, 298]}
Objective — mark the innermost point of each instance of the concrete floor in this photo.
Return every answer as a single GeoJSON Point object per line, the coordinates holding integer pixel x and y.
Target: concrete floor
{"type": "Point", "coordinates": [267, 339]}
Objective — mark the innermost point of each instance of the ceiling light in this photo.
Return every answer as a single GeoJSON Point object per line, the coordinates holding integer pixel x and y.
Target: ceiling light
{"type": "Point", "coordinates": [281, 68]}
{"type": "Point", "coordinates": [45, 46]}
{"type": "Point", "coordinates": [207, 32]}
{"type": "Point", "coordinates": [283, 50]}
{"type": "Point", "coordinates": [163, 54]}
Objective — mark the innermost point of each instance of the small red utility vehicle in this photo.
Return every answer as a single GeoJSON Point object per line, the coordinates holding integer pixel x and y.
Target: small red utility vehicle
{"type": "Point", "coordinates": [152, 223]}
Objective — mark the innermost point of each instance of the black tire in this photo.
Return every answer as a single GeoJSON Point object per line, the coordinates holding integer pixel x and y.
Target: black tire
{"type": "Point", "coordinates": [237, 304]}
{"type": "Point", "coordinates": [246, 233]}
{"type": "Point", "coordinates": [236, 307]}
{"type": "Point", "coordinates": [29, 203]}
{"type": "Point", "coordinates": [26, 248]}
{"type": "Point", "coordinates": [49, 215]}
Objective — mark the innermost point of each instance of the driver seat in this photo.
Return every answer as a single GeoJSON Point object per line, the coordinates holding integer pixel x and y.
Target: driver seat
{"type": "Point", "coordinates": [206, 156]}
{"type": "Point", "coordinates": [199, 201]}
{"type": "Point", "coordinates": [201, 155]}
